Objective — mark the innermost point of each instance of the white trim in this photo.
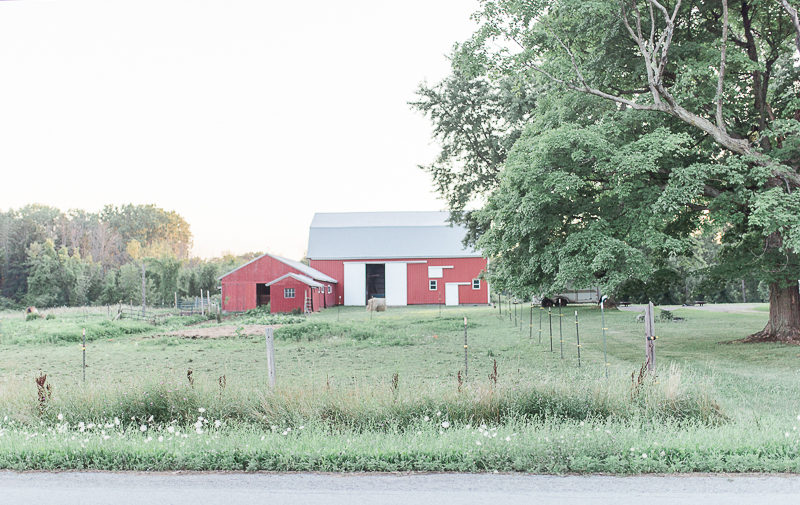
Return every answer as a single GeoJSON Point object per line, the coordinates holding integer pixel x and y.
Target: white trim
{"type": "Point", "coordinates": [383, 262]}
{"type": "Point", "coordinates": [302, 278]}
{"type": "Point", "coordinates": [393, 258]}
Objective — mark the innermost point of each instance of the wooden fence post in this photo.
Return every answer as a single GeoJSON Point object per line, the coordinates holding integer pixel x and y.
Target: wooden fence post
{"type": "Point", "coordinates": [560, 330]}
{"type": "Point", "coordinates": [144, 292]}
{"type": "Point", "coordinates": [530, 322]}
{"type": "Point", "coordinates": [578, 338]}
{"type": "Point", "coordinates": [83, 349]}
{"type": "Point", "coordinates": [650, 337]}
{"type": "Point", "coordinates": [270, 357]}
{"type": "Point", "coordinates": [465, 348]}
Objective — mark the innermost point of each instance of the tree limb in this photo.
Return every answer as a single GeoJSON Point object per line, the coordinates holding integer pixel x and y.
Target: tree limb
{"type": "Point", "coordinates": [721, 78]}
{"type": "Point", "coordinates": [795, 19]}
{"type": "Point", "coordinates": [663, 100]}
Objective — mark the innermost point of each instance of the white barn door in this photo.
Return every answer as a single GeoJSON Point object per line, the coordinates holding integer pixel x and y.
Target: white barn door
{"type": "Point", "coordinates": [451, 293]}
{"type": "Point", "coordinates": [355, 284]}
{"type": "Point", "coordinates": [396, 284]}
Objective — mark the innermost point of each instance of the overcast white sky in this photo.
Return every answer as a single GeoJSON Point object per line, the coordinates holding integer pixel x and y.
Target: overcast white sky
{"type": "Point", "coordinates": [244, 116]}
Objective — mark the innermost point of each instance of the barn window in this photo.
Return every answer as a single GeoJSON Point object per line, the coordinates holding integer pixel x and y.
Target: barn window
{"type": "Point", "coordinates": [476, 284]}
{"type": "Point", "coordinates": [288, 292]}
{"type": "Point", "coordinates": [330, 289]}
{"type": "Point", "coordinates": [434, 285]}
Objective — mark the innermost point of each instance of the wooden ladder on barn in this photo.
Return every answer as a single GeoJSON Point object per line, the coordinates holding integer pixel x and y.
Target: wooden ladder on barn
{"type": "Point", "coordinates": [307, 308]}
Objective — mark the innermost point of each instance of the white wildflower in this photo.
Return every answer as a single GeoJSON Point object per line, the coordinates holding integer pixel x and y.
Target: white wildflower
{"type": "Point", "coordinates": [143, 428]}
{"type": "Point", "coordinates": [426, 418]}
{"type": "Point", "coordinates": [61, 417]}
{"type": "Point", "coordinates": [201, 410]}
{"type": "Point", "coordinates": [161, 438]}
{"type": "Point", "coordinates": [217, 423]}
{"type": "Point", "coordinates": [199, 431]}
{"type": "Point", "coordinates": [445, 424]}
{"type": "Point", "coordinates": [644, 455]}
{"type": "Point", "coordinates": [477, 442]}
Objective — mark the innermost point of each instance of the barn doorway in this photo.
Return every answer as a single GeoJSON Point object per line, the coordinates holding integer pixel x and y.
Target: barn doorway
{"type": "Point", "coordinates": [376, 281]}
{"type": "Point", "coordinates": [262, 295]}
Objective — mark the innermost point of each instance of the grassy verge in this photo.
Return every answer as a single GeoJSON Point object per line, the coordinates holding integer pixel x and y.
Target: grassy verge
{"type": "Point", "coordinates": [547, 447]}
{"type": "Point", "coordinates": [366, 392]}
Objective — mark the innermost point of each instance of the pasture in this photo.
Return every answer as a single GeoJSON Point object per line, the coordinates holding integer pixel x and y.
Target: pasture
{"type": "Point", "coordinates": [360, 391]}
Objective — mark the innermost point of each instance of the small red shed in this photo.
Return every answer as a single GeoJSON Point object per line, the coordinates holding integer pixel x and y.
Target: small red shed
{"type": "Point", "coordinates": [251, 285]}
{"type": "Point", "coordinates": [294, 292]}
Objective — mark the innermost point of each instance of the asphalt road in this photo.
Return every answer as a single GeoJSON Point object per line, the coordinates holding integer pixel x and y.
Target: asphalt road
{"type": "Point", "coordinates": [88, 488]}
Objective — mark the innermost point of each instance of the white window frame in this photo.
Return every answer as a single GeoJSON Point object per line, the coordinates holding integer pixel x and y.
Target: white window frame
{"type": "Point", "coordinates": [433, 285]}
{"type": "Point", "coordinates": [288, 293]}
{"type": "Point", "coordinates": [476, 284]}
{"type": "Point", "coordinates": [330, 289]}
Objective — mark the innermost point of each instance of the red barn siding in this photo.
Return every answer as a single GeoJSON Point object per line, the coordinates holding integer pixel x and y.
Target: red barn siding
{"type": "Point", "coordinates": [335, 269]}
{"type": "Point", "coordinates": [278, 303]}
{"type": "Point", "coordinates": [464, 270]}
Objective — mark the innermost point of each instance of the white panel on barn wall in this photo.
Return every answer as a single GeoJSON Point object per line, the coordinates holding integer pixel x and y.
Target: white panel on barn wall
{"type": "Point", "coordinates": [435, 272]}
{"type": "Point", "coordinates": [396, 284]}
{"type": "Point", "coordinates": [451, 293]}
{"type": "Point", "coordinates": [355, 283]}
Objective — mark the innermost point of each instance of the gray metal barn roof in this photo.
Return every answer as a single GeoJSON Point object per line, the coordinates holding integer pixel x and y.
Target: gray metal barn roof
{"type": "Point", "coordinates": [378, 235]}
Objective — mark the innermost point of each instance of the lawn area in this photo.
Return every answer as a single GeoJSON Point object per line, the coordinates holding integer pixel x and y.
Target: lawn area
{"type": "Point", "coordinates": [360, 391]}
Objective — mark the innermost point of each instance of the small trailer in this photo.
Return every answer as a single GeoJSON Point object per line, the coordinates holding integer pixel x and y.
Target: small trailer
{"type": "Point", "coordinates": [590, 295]}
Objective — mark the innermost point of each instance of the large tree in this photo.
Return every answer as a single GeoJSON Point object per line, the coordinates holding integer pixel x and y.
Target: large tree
{"type": "Point", "coordinates": [683, 116]}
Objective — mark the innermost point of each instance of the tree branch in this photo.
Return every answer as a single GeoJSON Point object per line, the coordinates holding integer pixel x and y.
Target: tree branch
{"type": "Point", "coordinates": [720, 80]}
{"type": "Point", "coordinates": [795, 19]}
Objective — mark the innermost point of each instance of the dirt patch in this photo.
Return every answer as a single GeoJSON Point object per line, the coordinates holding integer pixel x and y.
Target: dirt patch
{"type": "Point", "coordinates": [222, 331]}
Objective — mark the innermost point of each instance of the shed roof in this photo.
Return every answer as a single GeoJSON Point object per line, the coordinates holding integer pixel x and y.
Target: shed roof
{"type": "Point", "coordinates": [302, 278]}
{"type": "Point", "coordinates": [307, 270]}
{"type": "Point", "coordinates": [366, 235]}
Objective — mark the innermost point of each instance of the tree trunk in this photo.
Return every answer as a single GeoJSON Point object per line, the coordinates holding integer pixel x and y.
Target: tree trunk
{"type": "Point", "coordinates": [784, 314]}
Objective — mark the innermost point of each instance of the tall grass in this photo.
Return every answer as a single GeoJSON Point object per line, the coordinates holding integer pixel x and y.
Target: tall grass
{"type": "Point", "coordinates": [382, 408]}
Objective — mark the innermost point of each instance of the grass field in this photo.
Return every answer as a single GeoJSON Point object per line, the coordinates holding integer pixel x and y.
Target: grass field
{"type": "Point", "coordinates": [381, 392]}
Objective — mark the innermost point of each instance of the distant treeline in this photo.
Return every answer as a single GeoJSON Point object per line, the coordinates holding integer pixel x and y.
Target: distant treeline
{"type": "Point", "coordinates": [54, 258]}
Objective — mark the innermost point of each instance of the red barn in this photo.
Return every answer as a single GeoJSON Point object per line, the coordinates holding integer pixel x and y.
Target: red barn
{"type": "Point", "coordinates": [406, 257]}
{"type": "Point", "coordinates": [284, 284]}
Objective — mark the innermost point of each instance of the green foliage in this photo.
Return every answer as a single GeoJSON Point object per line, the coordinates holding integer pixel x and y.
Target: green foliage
{"type": "Point", "coordinates": [312, 330]}
{"type": "Point", "coordinates": [613, 192]}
